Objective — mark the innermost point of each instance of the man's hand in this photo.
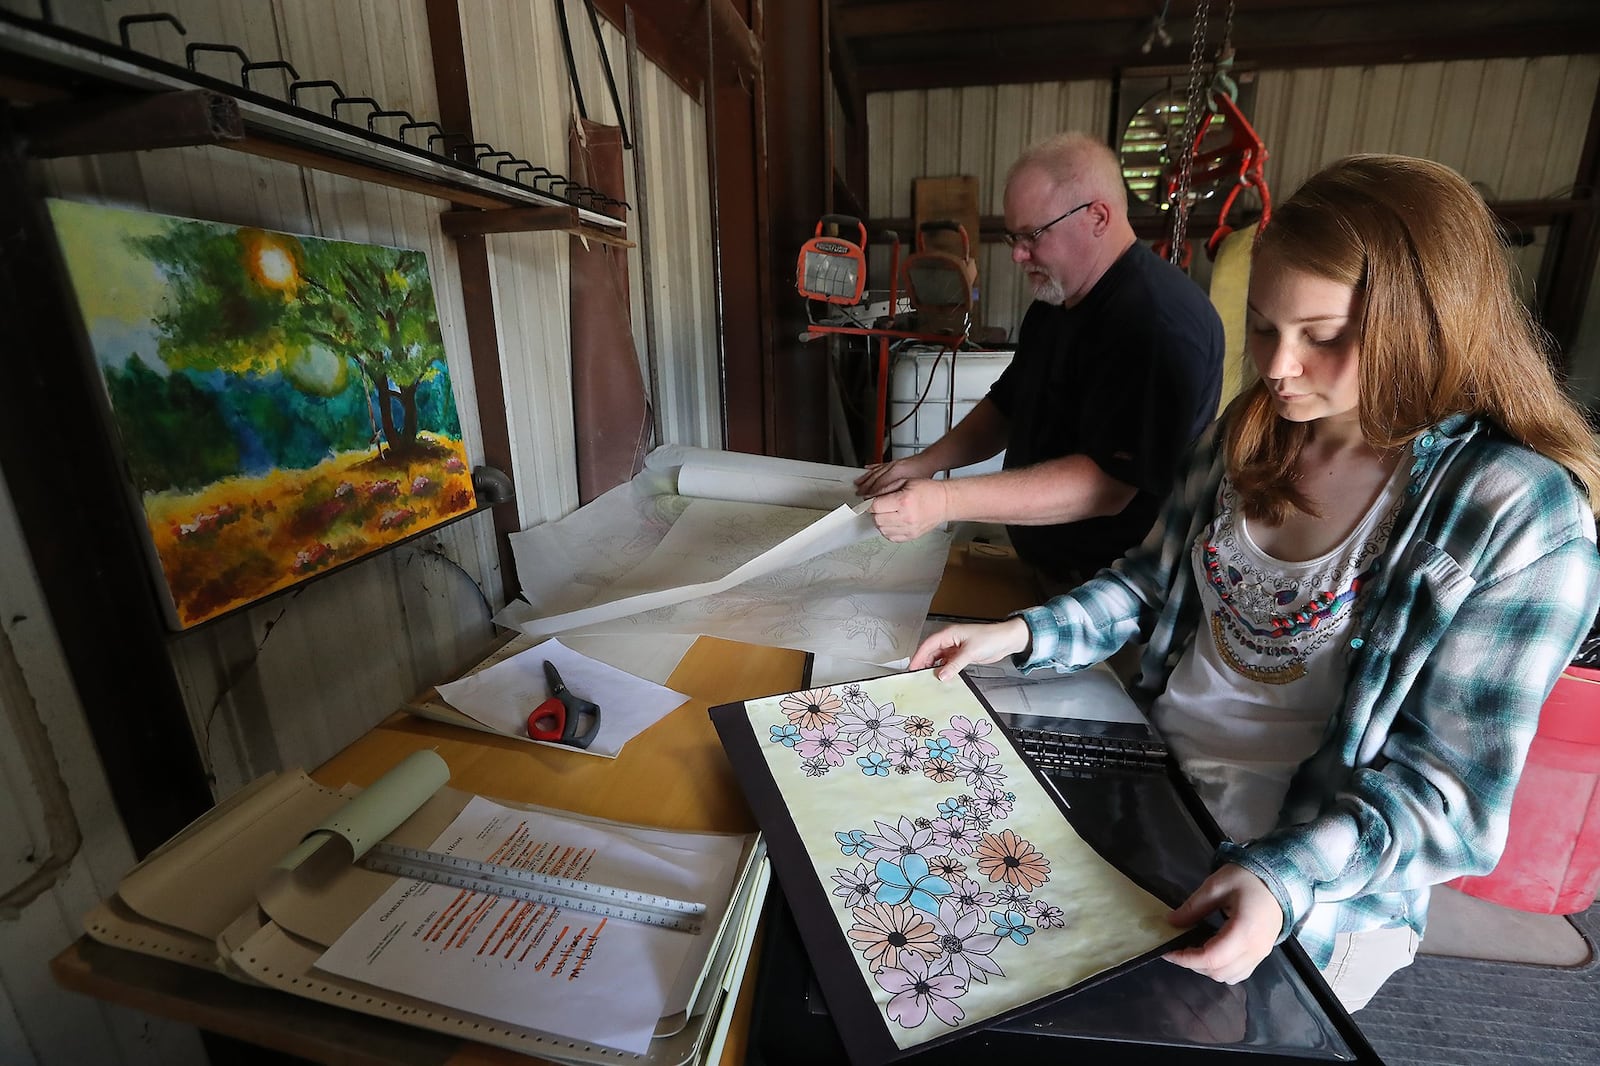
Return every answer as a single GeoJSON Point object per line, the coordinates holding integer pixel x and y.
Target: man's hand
{"type": "Point", "coordinates": [1253, 923]}
{"type": "Point", "coordinates": [912, 510]}
{"type": "Point", "coordinates": [959, 646]}
{"type": "Point", "coordinates": [887, 477]}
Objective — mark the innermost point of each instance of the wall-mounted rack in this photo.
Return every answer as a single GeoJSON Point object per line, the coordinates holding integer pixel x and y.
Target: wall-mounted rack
{"type": "Point", "coordinates": [93, 96]}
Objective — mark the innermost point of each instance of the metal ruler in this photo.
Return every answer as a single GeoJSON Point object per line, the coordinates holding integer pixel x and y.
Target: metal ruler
{"type": "Point", "coordinates": [477, 876]}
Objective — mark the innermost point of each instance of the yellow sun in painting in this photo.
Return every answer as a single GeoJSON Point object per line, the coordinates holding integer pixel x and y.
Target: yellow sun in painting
{"type": "Point", "coordinates": [270, 259]}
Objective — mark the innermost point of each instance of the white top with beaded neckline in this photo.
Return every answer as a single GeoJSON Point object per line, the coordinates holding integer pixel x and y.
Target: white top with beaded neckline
{"type": "Point", "coordinates": [1252, 696]}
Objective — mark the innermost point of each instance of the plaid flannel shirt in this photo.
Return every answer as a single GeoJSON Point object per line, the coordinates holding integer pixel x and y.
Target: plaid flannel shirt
{"type": "Point", "coordinates": [1485, 590]}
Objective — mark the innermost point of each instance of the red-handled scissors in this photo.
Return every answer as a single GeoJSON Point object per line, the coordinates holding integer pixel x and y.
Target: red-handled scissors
{"type": "Point", "coordinates": [561, 718]}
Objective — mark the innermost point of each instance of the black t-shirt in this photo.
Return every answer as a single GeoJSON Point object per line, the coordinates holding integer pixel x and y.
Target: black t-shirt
{"type": "Point", "coordinates": [1128, 377]}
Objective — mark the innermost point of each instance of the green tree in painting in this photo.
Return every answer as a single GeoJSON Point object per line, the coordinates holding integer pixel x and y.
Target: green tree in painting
{"type": "Point", "coordinates": [249, 301]}
{"type": "Point", "coordinates": [175, 434]}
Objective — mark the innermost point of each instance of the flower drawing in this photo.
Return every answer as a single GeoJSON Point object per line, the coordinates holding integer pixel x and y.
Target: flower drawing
{"type": "Point", "coordinates": [980, 771]}
{"type": "Point", "coordinates": [1010, 858]}
{"type": "Point", "coordinates": [874, 764]}
{"type": "Point", "coordinates": [970, 895]}
{"type": "Point", "coordinates": [930, 891]}
{"type": "Point", "coordinates": [970, 736]}
{"type": "Point", "coordinates": [1011, 897]}
{"type": "Point", "coordinates": [910, 881]}
{"type": "Point", "coordinates": [1046, 915]}
{"type": "Point", "coordinates": [914, 993]}
{"type": "Point", "coordinates": [967, 952]}
{"type": "Point", "coordinates": [906, 755]}
{"type": "Point", "coordinates": [992, 801]}
{"type": "Point", "coordinates": [873, 727]}
{"type": "Point", "coordinates": [1012, 924]}
{"type": "Point", "coordinates": [856, 886]}
{"type": "Point", "coordinates": [824, 743]}
{"type": "Point", "coordinates": [895, 842]}
{"type": "Point", "coordinates": [811, 709]}
{"type": "Point", "coordinates": [853, 842]}
{"type": "Point", "coordinates": [886, 934]}
{"type": "Point", "coordinates": [954, 834]}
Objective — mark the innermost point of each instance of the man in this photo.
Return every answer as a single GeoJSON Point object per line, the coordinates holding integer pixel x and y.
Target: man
{"type": "Point", "coordinates": [1118, 368]}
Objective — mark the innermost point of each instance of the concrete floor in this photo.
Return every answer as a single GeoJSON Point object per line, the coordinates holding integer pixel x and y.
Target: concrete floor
{"type": "Point", "coordinates": [1461, 926]}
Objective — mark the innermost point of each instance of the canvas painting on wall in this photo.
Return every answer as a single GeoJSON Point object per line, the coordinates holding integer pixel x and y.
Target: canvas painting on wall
{"type": "Point", "coordinates": [283, 403]}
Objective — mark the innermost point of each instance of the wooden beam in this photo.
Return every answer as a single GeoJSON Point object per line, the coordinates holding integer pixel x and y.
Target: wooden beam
{"type": "Point", "coordinates": [24, 90]}
{"type": "Point", "coordinates": [460, 224]}
{"type": "Point", "coordinates": [477, 286]}
{"type": "Point", "coordinates": [601, 235]}
{"type": "Point", "coordinates": [671, 34]}
{"type": "Point", "coordinates": [657, 40]}
{"type": "Point", "coordinates": [316, 159]}
{"type": "Point", "coordinates": [799, 185]}
{"type": "Point", "coordinates": [507, 220]}
{"type": "Point", "coordinates": [917, 17]}
{"type": "Point", "coordinates": [842, 64]}
{"type": "Point", "coordinates": [177, 119]}
{"type": "Point", "coordinates": [941, 71]}
{"type": "Point", "coordinates": [1279, 36]}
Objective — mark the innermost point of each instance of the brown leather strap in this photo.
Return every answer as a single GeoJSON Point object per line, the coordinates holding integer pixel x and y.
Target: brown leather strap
{"type": "Point", "coordinates": [610, 407]}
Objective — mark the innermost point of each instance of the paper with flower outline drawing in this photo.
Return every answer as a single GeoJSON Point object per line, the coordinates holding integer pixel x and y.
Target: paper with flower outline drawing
{"type": "Point", "coordinates": [961, 889]}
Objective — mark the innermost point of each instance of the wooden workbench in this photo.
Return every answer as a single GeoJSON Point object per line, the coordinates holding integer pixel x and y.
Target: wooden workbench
{"type": "Point", "coordinates": [673, 775]}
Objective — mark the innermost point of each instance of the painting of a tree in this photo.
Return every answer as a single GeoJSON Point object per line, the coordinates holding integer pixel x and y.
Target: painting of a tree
{"type": "Point", "coordinates": [246, 301]}
{"type": "Point", "coordinates": [284, 402]}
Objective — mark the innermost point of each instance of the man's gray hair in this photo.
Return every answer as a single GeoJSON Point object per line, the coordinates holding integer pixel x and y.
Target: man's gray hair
{"type": "Point", "coordinates": [1080, 160]}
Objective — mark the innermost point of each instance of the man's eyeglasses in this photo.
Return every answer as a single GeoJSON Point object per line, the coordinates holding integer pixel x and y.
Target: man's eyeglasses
{"type": "Point", "coordinates": [1027, 240]}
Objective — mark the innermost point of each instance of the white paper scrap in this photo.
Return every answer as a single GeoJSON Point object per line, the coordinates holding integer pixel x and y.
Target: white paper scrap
{"type": "Point", "coordinates": [503, 695]}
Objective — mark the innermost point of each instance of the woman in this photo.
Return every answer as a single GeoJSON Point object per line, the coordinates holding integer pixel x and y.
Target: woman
{"type": "Point", "coordinates": [1365, 584]}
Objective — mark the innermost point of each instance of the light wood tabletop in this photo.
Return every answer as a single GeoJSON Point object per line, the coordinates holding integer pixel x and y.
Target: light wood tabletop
{"type": "Point", "coordinates": [673, 775]}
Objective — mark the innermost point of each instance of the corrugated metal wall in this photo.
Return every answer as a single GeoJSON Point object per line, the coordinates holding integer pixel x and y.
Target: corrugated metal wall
{"type": "Point", "coordinates": [979, 131]}
{"type": "Point", "coordinates": [1515, 126]}
{"type": "Point", "coordinates": [521, 94]}
{"type": "Point", "coordinates": [292, 681]}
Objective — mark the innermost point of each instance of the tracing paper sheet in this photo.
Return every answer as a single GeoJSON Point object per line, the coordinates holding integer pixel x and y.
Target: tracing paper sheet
{"type": "Point", "coordinates": [729, 561]}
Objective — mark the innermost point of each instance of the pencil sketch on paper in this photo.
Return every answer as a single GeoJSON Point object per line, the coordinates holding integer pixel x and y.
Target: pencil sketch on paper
{"type": "Point", "coordinates": [855, 601]}
{"type": "Point", "coordinates": [794, 577]}
{"type": "Point", "coordinates": [960, 887]}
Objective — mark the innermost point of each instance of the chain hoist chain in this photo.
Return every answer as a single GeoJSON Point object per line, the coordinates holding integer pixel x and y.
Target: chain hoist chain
{"type": "Point", "coordinates": [1191, 124]}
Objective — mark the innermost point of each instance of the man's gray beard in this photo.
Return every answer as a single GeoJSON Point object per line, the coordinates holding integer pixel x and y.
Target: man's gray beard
{"type": "Point", "coordinates": [1049, 292]}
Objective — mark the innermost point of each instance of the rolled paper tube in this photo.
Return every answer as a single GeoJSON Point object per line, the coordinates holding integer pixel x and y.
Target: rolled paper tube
{"type": "Point", "coordinates": [378, 810]}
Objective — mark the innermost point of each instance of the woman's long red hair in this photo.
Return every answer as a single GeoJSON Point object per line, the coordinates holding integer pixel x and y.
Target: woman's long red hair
{"type": "Point", "coordinates": [1442, 329]}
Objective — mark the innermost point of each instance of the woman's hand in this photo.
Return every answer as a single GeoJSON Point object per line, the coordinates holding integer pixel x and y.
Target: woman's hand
{"type": "Point", "coordinates": [958, 646]}
{"type": "Point", "coordinates": [1253, 923]}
